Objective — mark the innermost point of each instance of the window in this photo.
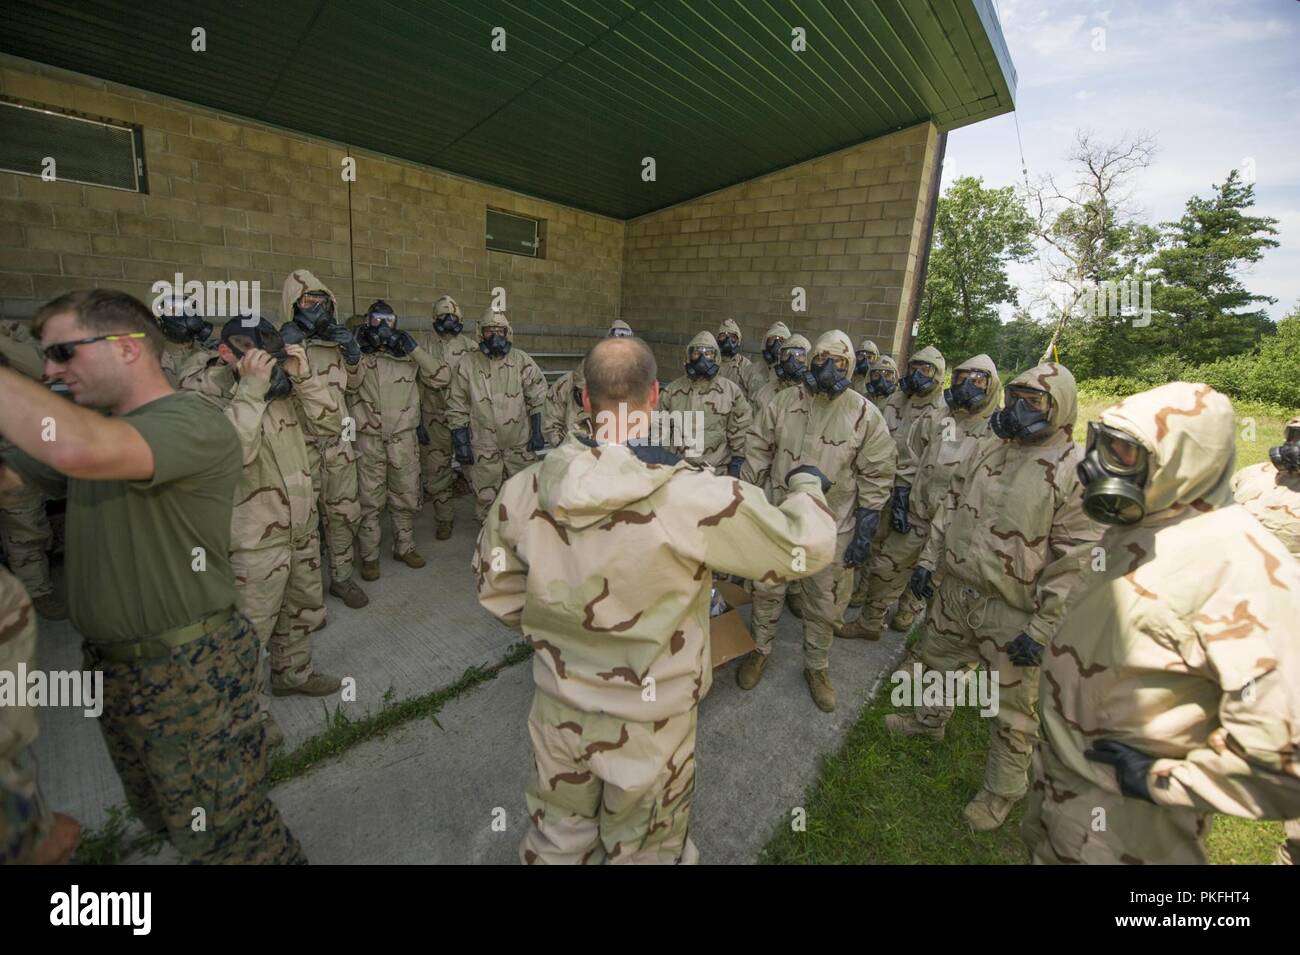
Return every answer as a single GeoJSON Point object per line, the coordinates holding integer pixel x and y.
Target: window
{"type": "Point", "coordinates": [516, 234]}
{"type": "Point", "coordinates": [96, 152]}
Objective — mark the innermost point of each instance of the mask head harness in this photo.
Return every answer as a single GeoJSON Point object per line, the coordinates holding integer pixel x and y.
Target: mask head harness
{"type": "Point", "coordinates": [920, 378]}
{"type": "Point", "coordinates": [266, 337]}
{"type": "Point", "coordinates": [493, 341]}
{"type": "Point", "coordinates": [700, 363]}
{"type": "Point", "coordinates": [1025, 415]}
{"type": "Point", "coordinates": [1113, 472]}
{"type": "Point", "coordinates": [180, 321]}
{"type": "Point", "coordinates": [1286, 456]}
{"type": "Point", "coordinates": [970, 387]}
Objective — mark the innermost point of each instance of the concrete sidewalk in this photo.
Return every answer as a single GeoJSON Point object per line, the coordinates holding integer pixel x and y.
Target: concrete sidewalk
{"type": "Point", "coordinates": [431, 792]}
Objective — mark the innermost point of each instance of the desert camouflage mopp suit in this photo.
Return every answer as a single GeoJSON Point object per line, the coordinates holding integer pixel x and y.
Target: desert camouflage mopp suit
{"type": "Point", "coordinates": [495, 398]}
{"type": "Point", "coordinates": [274, 535]}
{"type": "Point", "coordinates": [331, 455]}
{"type": "Point", "coordinates": [24, 818]}
{"type": "Point", "coordinates": [721, 405]}
{"type": "Point", "coordinates": [564, 412]}
{"type": "Point", "coordinates": [601, 555]}
{"type": "Point", "coordinates": [386, 405]}
{"type": "Point", "coordinates": [936, 446]}
{"type": "Point", "coordinates": [846, 439]}
{"type": "Point", "coordinates": [737, 367]}
{"type": "Point", "coordinates": [1010, 543]}
{"type": "Point", "coordinates": [435, 457]}
{"type": "Point", "coordinates": [1184, 648]}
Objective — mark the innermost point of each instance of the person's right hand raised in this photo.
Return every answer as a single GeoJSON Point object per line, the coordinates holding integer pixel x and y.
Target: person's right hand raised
{"type": "Point", "coordinates": [256, 363]}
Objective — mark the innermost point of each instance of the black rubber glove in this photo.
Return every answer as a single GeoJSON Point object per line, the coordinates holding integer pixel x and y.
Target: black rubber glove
{"type": "Point", "coordinates": [898, 510]}
{"type": "Point", "coordinates": [421, 434]}
{"type": "Point", "coordinates": [347, 342]}
{"type": "Point", "coordinates": [292, 333]}
{"type": "Point", "coordinates": [859, 548]}
{"type": "Point", "coordinates": [403, 344]}
{"type": "Point", "coordinates": [535, 440]}
{"type": "Point", "coordinates": [809, 469]}
{"type": "Point", "coordinates": [366, 340]}
{"type": "Point", "coordinates": [460, 440]}
{"type": "Point", "coordinates": [1131, 766]}
{"type": "Point", "coordinates": [733, 469]}
{"type": "Point", "coordinates": [920, 583]}
{"type": "Point", "coordinates": [1025, 651]}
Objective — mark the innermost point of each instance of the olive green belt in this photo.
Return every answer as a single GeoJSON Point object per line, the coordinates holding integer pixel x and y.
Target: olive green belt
{"type": "Point", "coordinates": [161, 644]}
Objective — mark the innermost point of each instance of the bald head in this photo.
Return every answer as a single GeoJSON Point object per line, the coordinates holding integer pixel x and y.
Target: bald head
{"type": "Point", "coordinates": [620, 371]}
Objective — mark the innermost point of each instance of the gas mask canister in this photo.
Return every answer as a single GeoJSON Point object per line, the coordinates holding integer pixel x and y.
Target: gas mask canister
{"type": "Point", "coordinates": [1286, 456]}
{"type": "Point", "coordinates": [1024, 417]}
{"type": "Point", "coordinates": [1113, 473]}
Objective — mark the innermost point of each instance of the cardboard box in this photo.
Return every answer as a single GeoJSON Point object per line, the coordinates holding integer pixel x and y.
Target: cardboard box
{"type": "Point", "coordinates": [728, 636]}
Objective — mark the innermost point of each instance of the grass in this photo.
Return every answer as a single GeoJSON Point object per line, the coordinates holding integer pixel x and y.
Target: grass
{"type": "Point", "coordinates": [113, 842]}
{"type": "Point", "coordinates": [898, 801]}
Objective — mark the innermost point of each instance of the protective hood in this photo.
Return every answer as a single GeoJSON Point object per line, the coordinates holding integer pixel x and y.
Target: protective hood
{"type": "Point", "coordinates": [887, 363]}
{"type": "Point", "coordinates": [934, 357]}
{"type": "Point", "coordinates": [493, 317]}
{"type": "Point", "coordinates": [730, 327]}
{"type": "Point", "coordinates": [982, 363]}
{"type": "Point", "coordinates": [777, 330]}
{"type": "Point", "coordinates": [620, 325]}
{"type": "Point", "coordinates": [1057, 381]}
{"type": "Point", "coordinates": [868, 345]}
{"type": "Point", "coordinates": [299, 281]}
{"type": "Point", "coordinates": [703, 340]}
{"type": "Point", "coordinates": [835, 343]}
{"type": "Point", "coordinates": [579, 378]}
{"type": "Point", "coordinates": [446, 305]}
{"type": "Point", "coordinates": [1188, 431]}
{"type": "Point", "coordinates": [579, 485]}
{"type": "Point", "coordinates": [797, 341]}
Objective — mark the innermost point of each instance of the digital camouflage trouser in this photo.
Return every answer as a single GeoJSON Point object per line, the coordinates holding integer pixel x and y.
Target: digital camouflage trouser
{"type": "Point", "coordinates": [279, 587]}
{"type": "Point", "coordinates": [825, 598]}
{"type": "Point", "coordinates": [435, 465]}
{"type": "Point", "coordinates": [893, 559]}
{"type": "Point", "coordinates": [335, 483]}
{"type": "Point", "coordinates": [388, 474]}
{"type": "Point", "coordinates": [607, 790]}
{"type": "Point", "coordinates": [27, 538]}
{"type": "Point", "coordinates": [966, 628]}
{"type": "Point", "coordinates": [184, 735]}
{"type": "Point", "coordinates": [490, 470]}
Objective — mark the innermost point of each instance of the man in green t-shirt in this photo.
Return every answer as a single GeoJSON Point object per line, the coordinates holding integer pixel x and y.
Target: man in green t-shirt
{"type": "Point", "coordinates": [149, 489]}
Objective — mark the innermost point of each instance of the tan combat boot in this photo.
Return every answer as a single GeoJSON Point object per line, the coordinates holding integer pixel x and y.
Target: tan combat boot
{"type": "Point", "coordinates": [411, 559]}
{"type": "Point", "coordinates": [349, 593]}
{"type": "Point", "coordinates": [318, 684]}
{"type": "Point", "coordinates": [987, 811]}
{"type": "Point", "coordinates": [444, 530]}
{"type": "Point", "coordinates": [370, 570]}
{"type": "Point", "coordinates": [819, 685]}
{"type": "Point", "coordinates": [751, 670]}
{"type": "Point", "coordinates": [903, 620]}
{"type": "Point", "coordinates": [906, 724]}
{"type": "Point", "coordinates": [272, 734]}
{"type": "Point", "coordinates": [857, 630]}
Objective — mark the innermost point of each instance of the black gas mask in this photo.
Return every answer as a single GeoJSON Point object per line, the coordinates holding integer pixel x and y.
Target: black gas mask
{"type": "Point", "coordinates": [864, 359]}
{"type": "Point", "coordinates": [829, 379]}
{"type": "Point", "coordinates": [1025, 417]}
{"type": "Point", "coordinates": [315, 318]}
{"type": "Point", "coordinates": [728, 345]}
{"type": "Point", "coordinates": [1113, 473]}
{"type": "Point", "coordinates": [793, 364]}
{"type": "Point", "coordinates": [772, 350]}
{"type": "Point", "coordinates": [448, 323]}
{"type": "Point", "coordinates": [494, 342]}
{"type": "Point", "coordinates": [184, 329]}
{"type": "Point", "coordinates": [916, 381]}
{"type": "Point", "coordinates": [881, 384]}
{"type": "Point", "coordinates": [969, 389]}
{"type": "Point", "coordinates": [380, 331]}
{"type": "Point", "coordinates": [266, 338]}
{"type": "Point", "coordinates": [700, 363]}
{"type": "Point", "coordinates": [1286, 457]}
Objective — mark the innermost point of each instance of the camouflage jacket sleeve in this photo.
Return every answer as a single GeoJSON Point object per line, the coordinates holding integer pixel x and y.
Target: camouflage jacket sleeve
{"type": "Point", "coordinates": [22, 351]}
{"type": "Point", "coordinates": [932, 552]}
{"type": "Point", "coordinates": [321, 415]}
{"type": "Point", "coordinates": [1069, 543]}
{"type": "Point", "coordinates": [746, 535]}
{"type": "Point", "coordinates": [245, 412]}
{"type": "Point", "coordinates": [555, 415]}
{"type": "Point", "coordinates": [874, 464]}
{"type": "Point", "coordinates": [534, 383]}
{"type": "Point", "coordinates": [760, 446]}
{"type": "Point", "coordinates": [738, 423]}
{"type": "Point", "coordinates": [458, 397]}
{"type": "Point", "coordinates": [502, 576]}
{"type": "Point", "coordinates": [433, 372]}
{"type": "Point", "coordinates": [912, 453]}
{"type": "Point", "coordinates": [354, 373]}
{"type": "Point", "coordinates": [1251, 765]}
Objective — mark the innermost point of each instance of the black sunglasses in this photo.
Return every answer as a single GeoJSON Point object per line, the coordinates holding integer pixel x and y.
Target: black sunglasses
{"type": "Point", "coordinates": [62, 352]}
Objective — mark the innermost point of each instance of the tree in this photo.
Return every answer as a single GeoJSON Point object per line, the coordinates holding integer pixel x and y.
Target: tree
{"type": "Point", "coordinates": [977, 231]}
{"type": "Point", "coordinates": [1019, 344]}
{"type": "Point", "coordinates": [1199, 298]}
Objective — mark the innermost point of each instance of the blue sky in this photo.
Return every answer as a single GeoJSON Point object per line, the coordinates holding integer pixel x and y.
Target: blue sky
{"type": "Point", "coordinates": [1216, 81]}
